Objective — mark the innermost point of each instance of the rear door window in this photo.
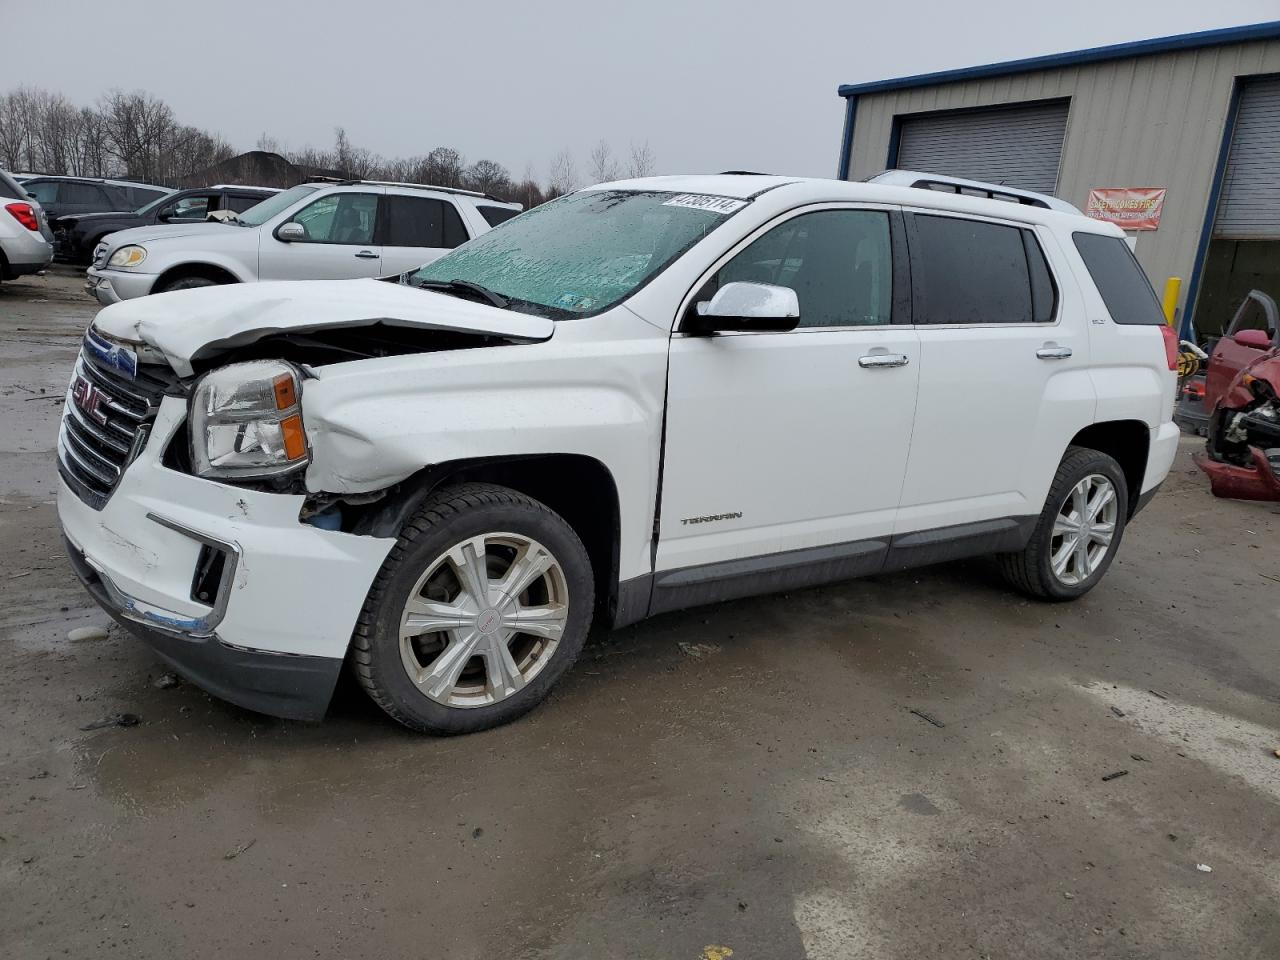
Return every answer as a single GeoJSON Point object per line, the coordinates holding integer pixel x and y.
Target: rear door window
{"type": "Point", "coordinates": [422, 222]}
{"type": "Point", "coordinates": [975, 272]}
{"type": "Point", "coordinates": [83, 194]}
{"type": "Point", "coordinates": [1125, 289]}
{"type": "Point", "coordinates": [240, 202]}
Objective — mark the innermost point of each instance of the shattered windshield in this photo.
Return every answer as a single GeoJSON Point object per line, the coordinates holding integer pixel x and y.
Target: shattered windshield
{"type": "Point", "coordinates": [582, 253]}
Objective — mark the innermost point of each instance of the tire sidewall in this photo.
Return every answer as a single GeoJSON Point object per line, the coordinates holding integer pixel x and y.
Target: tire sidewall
{"type": "Point", "coordinates": [189, 283]}
{"type": "Point", "coordinates": [1070, 474]}
{"type": "Point", "coordinates": [512, 517]}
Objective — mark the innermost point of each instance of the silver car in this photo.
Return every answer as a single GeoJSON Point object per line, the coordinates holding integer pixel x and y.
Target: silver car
{"type": "Point", "coordinates": [26, 242]}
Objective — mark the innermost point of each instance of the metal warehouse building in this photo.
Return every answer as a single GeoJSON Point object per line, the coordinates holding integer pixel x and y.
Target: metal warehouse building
{"type": "Point", "coordinates": [1196, 115]}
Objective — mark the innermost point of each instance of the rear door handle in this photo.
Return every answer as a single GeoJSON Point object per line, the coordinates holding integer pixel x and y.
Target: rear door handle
{"type": "Point", "coordinates": [876, 360]}
{"type": "Point", "coordinates": [1053, 353]}
{"type": "Point", "coordinates": [367, 255]}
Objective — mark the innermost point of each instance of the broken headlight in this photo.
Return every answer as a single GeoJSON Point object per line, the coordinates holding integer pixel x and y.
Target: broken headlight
{"type": "Point", "coordinates": [246, 421]}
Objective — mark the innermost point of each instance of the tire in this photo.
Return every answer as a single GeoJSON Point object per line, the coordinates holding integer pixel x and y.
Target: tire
{"type": "Point", "coordinates": [429, 565]}
{"type": "Point", "coordinates": [1032, 571]}
{"type": "Point", "coordinates": [188, 283]}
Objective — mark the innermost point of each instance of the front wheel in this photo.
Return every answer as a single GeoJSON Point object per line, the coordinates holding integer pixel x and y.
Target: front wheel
{"type": "Point", "coordinates": [481, 606]}
{"type": "Point", "coordinates": [1078, 532]}
{"type": "Point", "coordinates": [187, 283]}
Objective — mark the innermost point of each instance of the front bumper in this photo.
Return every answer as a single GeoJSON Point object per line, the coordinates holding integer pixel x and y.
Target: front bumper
{"type": "Point", "coordinates": [1259, 482]}
{"type": "Point", "coordinates": [112, 286]}
{"type": "Point", "coordinates": [274, 635]}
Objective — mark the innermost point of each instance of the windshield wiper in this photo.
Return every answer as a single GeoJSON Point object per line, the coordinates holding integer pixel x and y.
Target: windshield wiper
{"type": "Point", "coordinates": [462, 287]}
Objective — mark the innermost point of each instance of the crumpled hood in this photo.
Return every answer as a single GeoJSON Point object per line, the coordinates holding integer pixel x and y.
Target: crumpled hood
{"type": "Point", "coordinates": [189, 325]}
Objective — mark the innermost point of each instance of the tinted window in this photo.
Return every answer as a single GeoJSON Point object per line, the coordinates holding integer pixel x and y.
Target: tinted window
{"type": "Point", "coordinates": [339, 218]}
{"type": "Point", "coordinates": [496, 215]}
{"type": "Point", "coordinates": [968, 271]}
{"type": "Point", "coordinates": [1115, 272]}
{"type": "Point", "coordinates": [140, 197]}
{"type": "Point", "coordinates": [455, 234]}
{"type": "Point", "coordinates": [839, 263]}
{"type": "Point", "coordinates": [414, 222]}
{"type": "Point", "coordinates": [240, 202]}
{"type": "Point", "coordinates": [45, 191]}
{"type": "Point", "coordinates": [83, 193]}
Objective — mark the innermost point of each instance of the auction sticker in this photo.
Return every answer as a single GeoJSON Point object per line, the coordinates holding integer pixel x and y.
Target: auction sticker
{"type": "Point", "coordinates": [695, 201]}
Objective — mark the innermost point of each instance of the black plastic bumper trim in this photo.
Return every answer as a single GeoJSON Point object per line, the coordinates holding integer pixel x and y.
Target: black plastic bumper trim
{"type": "Point", "coordinates": [290, 686]}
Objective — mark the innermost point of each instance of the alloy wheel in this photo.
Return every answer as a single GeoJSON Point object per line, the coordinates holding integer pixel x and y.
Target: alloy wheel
{"type": "Point", "coordinates": [1084, 530]}
{"type": "Point", "coordinates": [483, 620]}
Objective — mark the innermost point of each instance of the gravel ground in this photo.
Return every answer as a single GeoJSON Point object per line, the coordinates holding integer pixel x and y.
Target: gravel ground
{"type": "Point", "coordinates": [746, 777]}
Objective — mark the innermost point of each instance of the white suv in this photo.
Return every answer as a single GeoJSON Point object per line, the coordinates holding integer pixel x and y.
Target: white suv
{"type": "Point", "coordinates": [25, 238]}
{"type": "Point", "coordinates": [643, 396]}
{"type": "Point", "coordinates": [315, 231]}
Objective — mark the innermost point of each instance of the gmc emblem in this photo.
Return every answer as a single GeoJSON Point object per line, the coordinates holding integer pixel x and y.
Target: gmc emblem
{"type": "Point", "coordinates": [90, 399]}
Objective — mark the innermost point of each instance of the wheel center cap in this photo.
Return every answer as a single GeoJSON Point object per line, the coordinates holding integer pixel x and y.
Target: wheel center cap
{"type": "Point", "coordinates": [488, 621]}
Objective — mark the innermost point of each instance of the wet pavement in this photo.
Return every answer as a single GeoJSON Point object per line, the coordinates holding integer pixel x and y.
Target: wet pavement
{"type": "Point", "coordinates": [745, 777]}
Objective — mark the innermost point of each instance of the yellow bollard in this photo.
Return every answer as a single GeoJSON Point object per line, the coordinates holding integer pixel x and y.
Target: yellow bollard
{"type": "Point", "coordinates": [1172, 287]}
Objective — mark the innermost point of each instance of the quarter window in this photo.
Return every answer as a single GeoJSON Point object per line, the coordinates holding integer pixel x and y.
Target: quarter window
{"type": "Point", "coordinates": [340, 218]}
{"type": "Point", "coordinates": [1125, 289]}
{"type": "Point", "coordinates": [970, 271]}
{"type": "Point", "coordinates": [839, 263]}
{"type": "Point", "coordinates": [496, 215]}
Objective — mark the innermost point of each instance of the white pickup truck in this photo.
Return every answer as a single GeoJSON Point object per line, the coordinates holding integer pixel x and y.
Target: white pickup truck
{"type": "Point", "coordinates": [642, 396]}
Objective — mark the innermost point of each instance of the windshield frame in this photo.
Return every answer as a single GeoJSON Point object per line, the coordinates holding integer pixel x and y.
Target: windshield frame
{"type": "Point", "coordinates": [555, 313]}
{"type": "Point", "coordinates": [289, 197]}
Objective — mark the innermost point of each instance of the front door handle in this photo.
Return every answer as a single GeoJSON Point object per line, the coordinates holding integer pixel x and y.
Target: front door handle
{"type": "Point", "coordinates": [367, 255]}
{"type": "Point", "coordinates": [876, 360]}
{"type": "Point", "coordinates": [1053, 353]}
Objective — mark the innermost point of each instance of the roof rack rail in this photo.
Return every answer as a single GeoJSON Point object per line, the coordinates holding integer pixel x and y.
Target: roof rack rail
{"type": "Point", "coordinates": [743, 173]}
{"type": "Point", "coordinates": [347, 182]}
{"type": "Point", "coordinates": [992, 191]}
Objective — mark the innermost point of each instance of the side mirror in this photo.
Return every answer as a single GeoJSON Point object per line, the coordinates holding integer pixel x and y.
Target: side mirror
{"type": "Point", "coordinates": [750, 307]}
{"type": "Point", "coordinates": [1258, 339]}
{"type": "Point", "coordinates": [291, 232]}
{"type": "Point", "coordinates": [167, 213]}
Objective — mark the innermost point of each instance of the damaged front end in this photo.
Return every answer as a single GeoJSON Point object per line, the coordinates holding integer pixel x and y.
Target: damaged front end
{"type": "Point", "coordinates": [1242, 456]}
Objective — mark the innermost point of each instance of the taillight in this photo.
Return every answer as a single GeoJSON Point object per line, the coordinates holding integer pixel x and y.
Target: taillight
{"type": "Point", "coordinates": [25, 215]}
{"type": "Point", "coordinates": [1170, 345]}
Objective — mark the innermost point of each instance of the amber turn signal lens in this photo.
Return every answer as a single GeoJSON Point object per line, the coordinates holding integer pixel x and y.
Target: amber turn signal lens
{"type": "Point", "coordinates": [286, 392]}
{"type": "Point", "coordinates": [295, 444]}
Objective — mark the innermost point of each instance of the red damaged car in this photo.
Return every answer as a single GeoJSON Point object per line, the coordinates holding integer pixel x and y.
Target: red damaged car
{"type": "Point", "coordinates": [1242, 393]}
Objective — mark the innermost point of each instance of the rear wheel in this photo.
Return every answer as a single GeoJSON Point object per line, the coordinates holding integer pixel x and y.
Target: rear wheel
{"type": "Point", "coordinates": [1078, 532]}
{"type": "Point", "coordinates": [481, 606]}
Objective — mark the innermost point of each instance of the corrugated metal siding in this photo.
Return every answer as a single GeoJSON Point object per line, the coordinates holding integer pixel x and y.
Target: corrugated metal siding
{"type": "Point", "coordinates": [1250, 205]}
{"type": "Point", "coordinates": [1151, 121]}
{"type": "Point", "coordinates": [1014, 146]}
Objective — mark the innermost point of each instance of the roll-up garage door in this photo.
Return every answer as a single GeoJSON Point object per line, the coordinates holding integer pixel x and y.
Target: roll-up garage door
{"type": "Point", "coordinates": [1250, 204]}
{"type": "Point", "coordinates": [1017, 146]}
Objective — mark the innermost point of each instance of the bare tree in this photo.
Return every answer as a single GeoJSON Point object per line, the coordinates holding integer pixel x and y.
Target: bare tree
{"type": "Point", "coordinates": [444, 167]}
{"type": "Point", "coordinates": [486, 176]}
{"type": "Point", "coordinates": [564, 174]}
{"type": "Point", "coordinates": [642, 161]}
{"type": "Point", "coordinates": [603, 166]}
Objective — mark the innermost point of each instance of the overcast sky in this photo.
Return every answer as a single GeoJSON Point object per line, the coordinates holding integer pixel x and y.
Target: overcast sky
{"type": "Point", "coordinates": [713, 85]}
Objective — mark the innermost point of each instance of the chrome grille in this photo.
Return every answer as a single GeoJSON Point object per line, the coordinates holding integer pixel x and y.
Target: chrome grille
{"type": "Point", "coordinates": [105, 422]}
{"type": "Point", "coordinates": [100, 255]}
